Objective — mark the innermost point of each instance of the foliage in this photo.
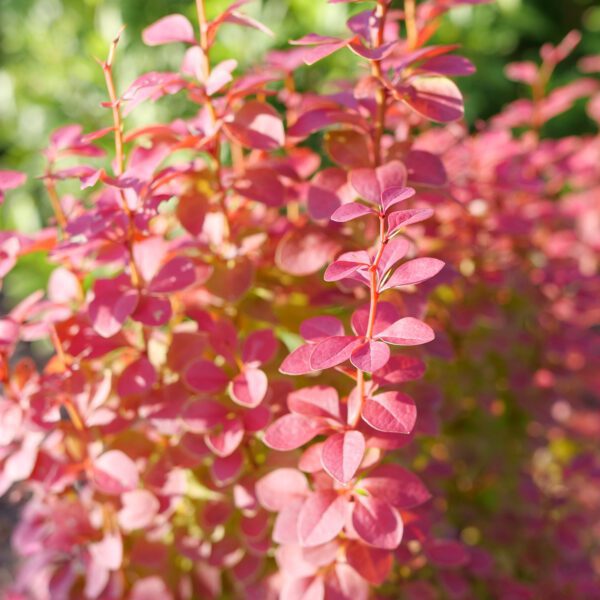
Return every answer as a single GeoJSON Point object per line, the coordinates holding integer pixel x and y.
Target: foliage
{"type": "Point", "coordinates": [225, 413]}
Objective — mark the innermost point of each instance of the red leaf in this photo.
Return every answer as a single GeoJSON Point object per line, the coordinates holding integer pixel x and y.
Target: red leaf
{"type": "Point", "coordinates": [342, 454]}
{"type": "Point", "coordinates": [350, 211]}
{"type": "Point", "coordinates": [261, 185]}
{"type": "Point", "coordinates": [115, 473]}
{"type": "Point", "coordinates": [257, 125]}
{"type": "Point", "coordinates": [292, 431]}
{"type": "Point", "coordinates": [137, 378]}
{"type": "Point", "coordinates": [322, 47]}
{"type": "Point", "coordinates": [175, 275]}
{"type": "Point", "coordinates": [321, 517]}
{"type": "Point", "coordinates": [400, 369]}
{"type": "Point", "coordinates": [315, 401]}
{"type": "Point", "coordinates": [298, 361]}
{"type": "Point", "coordinates": [172, 28]}
{"type": "Point", "coordinates": [425, 168]}
{"type": "Point", "coordinates": [407, 332]}
{"type": "Point", "coordinates": [205, 376]}
{"type": "Point", "coordinates": [436, 98]}
{"type": "Point", "coordinates": [202, 415]}
{"type": "Point", "coordinates": [281, 487]}
{"type": "Point", "coordinates": [305, 251]}
{"type": "Point", "coordinates": [377, 523]}
{"type": "Point", "coordinates": [249, 387]}
{"type": "Point", "coordinates": [114, 301]}
{"type": "Point", "coordinates": [152, 310]}
{"type": "Point", "coordinates": [395, 485]}
{"type": "Point", "coordinates": [391, 412]}
{"type": "Point", "coordinates": [341, 269]}
{"type": "Point", "coordinates": [449, 65]}
{"type": "Point", "coordinates": [413, 272]}
{"type": "Point", "coordinates": [394, 195]}
{"type": "Point", "coordinates": [394, 251]}
{"type": "Point", "coordinates": [316, 329]}
{"type": "Point", "coordinates": [402, 218]}
{"type": "Point", "coordinates": [259, 347]}
{"type": "Point", "coordinates": [370, 356]}
{"type": "Point", "coordinates": [373, 564]}
{"type": "Point", "coordinates": [225, 469]}
{"type": "Point", "coordinates": [348, 148]}
{"type": "Point", "coordinates": [332, 351]}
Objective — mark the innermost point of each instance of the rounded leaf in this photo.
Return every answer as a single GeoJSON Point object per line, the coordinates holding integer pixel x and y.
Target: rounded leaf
{"type": "Point", "coordinates": [342, 454]}
{"type": "Point", "coordinates": [391, 412]}
{"type": "Point", "coordinates": [321, 518]}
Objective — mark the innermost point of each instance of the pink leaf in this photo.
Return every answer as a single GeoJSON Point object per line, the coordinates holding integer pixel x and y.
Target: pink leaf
{"type": "Point", "coordinates": [449, 65]}
{"type": "Point", "coordinates": [108, 552]}
{"type": "Point", "coordinates": [341, 269]}
{"type": "Point", "coordinates": [304, 251]}
{"type": "Point", "coordinates": [370, 356]}
{"type": "Point", "coordinates": [525, 72]}
{"type": "Point", "coordinates": [394, 251]}
{"type": "Point", "coordinates": [249, 387]}
{"type": "Point", "coordinates": [377, 523]}
{"type": "Point", "coordinates": [373, 564]}
{"type": "Point", "coordinates": [413, 272]}
{"type": "Point", "coordinates": [137, 378]}
{"type": "Point", "coordinates": [436, 98]}
{"type": "Point", "coordinates": [407, 332]}
{"type": "Point", "coordinates": [332, 351]}
{"type": "Point", "coordinates": [342, 454]}
{"type": "Point", "coordinates": [391, 412]}
{"type": "Point", "coordinates": [378, 53]}
{"type": "Point", "coordinates": [172, 28]}
{"type": "Point", "coordinates": [115, 473]}
{"type": "Point", "coordinates": [259, 347]}
{"type": "Point", "coordinates": [257, 125]}
{"type": "Point", "coordinates": [397, 486]}
{"type": "Point", "coordinates": [220, 76]}
{"type": "Point", "coordinates": [323, 46]}
{"type": "Point", "coordinates": [225, 469]}
{"type": "Point", "coordinates": [402, 218]}
{"type": "Point", "coordinates": [152, 310]}
{"type": "Point", "coordinates": [425, 168]}
{"type": "Point", "coordinates": [394, 195]}
{"type": "Point", "coordinates": [400, 369]}
{"type": "Point", "coordinates": [348, 212]}
{"type": "Point", "coordinates": [316, 329]}
{"type": "Point", "coordinates": [303, 588]}
{"type": "Point", "coordinates": [175, 275]}
{"type": "Point", "coordinates": [10, 180]}
{"type": "Point", "coordinates": [321, 518]}
{"type": "Point", "coordinates": [281, 487]}
{"type": "Point", "coordinates": [226, 438]}
{"type": "Point", "coordinates": [385, 315]}
{"type": "Point", "coordinates": [139, 509]}
{"type": "Point", "coordinates": [261, 185]}
{"type": "Point", "coordinates": [365, 182]}
{"type": "Point", "coordinates": [114, 301]}
{"type": "Point", "coordinates": [292, 431]}
{"type": "Point", "coordinates": [205, 376]}
{"type": "Point", "coordinates": [315, 401]}
{"type": "Point", "coordinates": [202, 415]}
{"type": "Point", "coordinates": [298, 361]}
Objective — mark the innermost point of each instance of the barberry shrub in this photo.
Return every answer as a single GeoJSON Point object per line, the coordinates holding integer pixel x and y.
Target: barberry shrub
{"type": "Point", "coordinates": [241, 307]}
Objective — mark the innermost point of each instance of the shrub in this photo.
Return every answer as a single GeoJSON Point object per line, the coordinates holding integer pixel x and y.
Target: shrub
{"type": "Point", "coordinates": [226, 413]}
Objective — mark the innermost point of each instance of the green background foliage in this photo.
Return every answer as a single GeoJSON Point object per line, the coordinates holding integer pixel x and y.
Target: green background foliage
{"type": "Point", "coordinates": [48, 75]}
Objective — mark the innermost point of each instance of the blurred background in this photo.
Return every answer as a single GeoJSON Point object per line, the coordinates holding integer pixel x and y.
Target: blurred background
{"type": "Point", "coordinates": [48, 75]}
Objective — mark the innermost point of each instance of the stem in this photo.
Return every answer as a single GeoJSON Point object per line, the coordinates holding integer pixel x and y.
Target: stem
{"type": "Point", "coordinates": [381, 98]}
{"type": "Point", "coordinates": [59, 214]}
{"type": "Point", "coordinates": [411, 23]}
{"type": "Point", "coordinates": [205, 48]}
{"type": "Point", "coordinates": [107, 68]}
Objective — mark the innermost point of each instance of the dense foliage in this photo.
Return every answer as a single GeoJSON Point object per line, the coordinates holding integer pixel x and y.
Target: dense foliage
{"type": "Point", "coordinates": [242, 304]}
